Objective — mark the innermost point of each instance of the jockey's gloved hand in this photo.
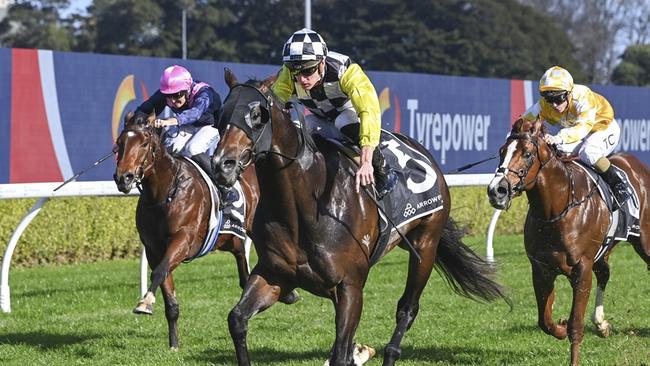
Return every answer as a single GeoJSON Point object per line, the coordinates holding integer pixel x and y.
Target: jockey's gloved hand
{"type": "Point", "coordinates": [553, 139]}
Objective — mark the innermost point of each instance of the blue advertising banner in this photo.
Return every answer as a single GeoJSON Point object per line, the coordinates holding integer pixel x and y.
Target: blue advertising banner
{"type": "Point", "coordinates": [61, 111]}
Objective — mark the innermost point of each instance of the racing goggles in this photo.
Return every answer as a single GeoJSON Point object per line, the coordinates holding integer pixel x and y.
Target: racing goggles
{"type": "Point", "coordinates": [555, 97]}
{"type": "Point", "coordinates": [176, 96]}
{"type": "Point", "coordinates": [307, 71]}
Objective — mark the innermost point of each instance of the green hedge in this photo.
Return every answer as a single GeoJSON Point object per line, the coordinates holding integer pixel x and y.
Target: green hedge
{"type": "Point", "coordinates": [88, 229]}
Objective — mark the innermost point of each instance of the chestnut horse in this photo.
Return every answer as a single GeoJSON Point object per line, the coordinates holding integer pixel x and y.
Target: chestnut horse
{"type": "Point", "coordinates": [566, 224]}
{"type": "Point", "coordinates": [313, 231]}
{"type": "Point", "coordinates": [173, 211]}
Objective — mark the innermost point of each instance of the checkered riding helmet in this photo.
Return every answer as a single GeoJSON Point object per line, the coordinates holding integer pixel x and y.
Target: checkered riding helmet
{"type": "Point", "coordinates": [556, 79]}
{"type": "Point", "coordinates": [304, 45]}
{"type": "Point", "coordinates": [175, 79]}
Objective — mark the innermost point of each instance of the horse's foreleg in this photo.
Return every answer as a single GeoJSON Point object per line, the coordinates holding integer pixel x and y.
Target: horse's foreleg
{"type": "Point", "coordinates": [258, 295]}
{"type": "Point", "coordinates": [543, 283]}
{"type": "Point", "coordinates": [581, 283]}
{"type": "Point", "coordinates": [161, 267]}
{"type": "Point", "coordinates": [348, 304]}
{"type": "Point", "coordinates": [409, 304]}
{"type": "Point", "coordinates": [601, 269]}
{"type": "Point", "coordinates": [171, 310]}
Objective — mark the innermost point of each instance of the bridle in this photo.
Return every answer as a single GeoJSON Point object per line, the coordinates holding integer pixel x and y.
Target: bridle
{"type": "Point", "coordinates": [139, 172]}
{"type": "Point", "coordinates": [522, 173]}
{"type": "Point", "coordinates": [261, 138]}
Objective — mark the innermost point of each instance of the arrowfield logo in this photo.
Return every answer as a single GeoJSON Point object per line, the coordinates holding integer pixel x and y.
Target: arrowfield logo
{"type": "Point", "coordinates": [409, 210]}
{"type": "Point", "coordinates": [125, 94]}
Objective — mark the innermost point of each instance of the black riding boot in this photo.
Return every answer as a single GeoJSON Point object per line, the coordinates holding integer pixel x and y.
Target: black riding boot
{"type": "Point", "coordinates": [204, 162]}
{"type": "Point", "coordinates": [620, 190]}
{"type": "Point", "coordinates": [385, 177]}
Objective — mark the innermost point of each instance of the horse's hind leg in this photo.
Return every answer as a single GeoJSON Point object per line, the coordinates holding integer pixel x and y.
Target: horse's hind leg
{"type": "Point", "coordinates": [171, 310]}
{"type": "Point", "coordinates": [601, 270]}
{"type": "Point", "coordinates": [258, 295]}
{"type": "Point", "coordinates": [409, 304]}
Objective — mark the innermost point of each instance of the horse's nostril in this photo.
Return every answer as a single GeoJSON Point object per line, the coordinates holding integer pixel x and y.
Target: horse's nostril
{"type": "Point", "coordinates": [227, 166]}
{"type": "Point", "coordinates": [502, 191]}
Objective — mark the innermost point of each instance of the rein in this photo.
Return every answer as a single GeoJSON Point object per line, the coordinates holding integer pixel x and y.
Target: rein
{"type": "Point", "coordinates": [522, 184]}
{"type": "Point", "coordinates": [173, 190]}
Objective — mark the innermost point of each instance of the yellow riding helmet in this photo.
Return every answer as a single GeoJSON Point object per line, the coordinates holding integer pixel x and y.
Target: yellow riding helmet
{"type": "Point", "coordinates": [556, 78]}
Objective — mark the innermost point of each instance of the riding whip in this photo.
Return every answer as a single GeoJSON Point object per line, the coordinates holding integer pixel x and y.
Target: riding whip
{"type": "Point", "coordinates": [86, 169]}
{"type": "Point", "coordinates": [390, 221]}
{"type": "Point", "coordinates": [467, 166]}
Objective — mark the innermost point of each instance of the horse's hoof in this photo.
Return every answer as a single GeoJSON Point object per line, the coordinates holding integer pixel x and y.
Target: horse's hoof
{"type": "Point", "coordinates": [362, 353]}
{"type": "Point", "coordinates": [604, 329]}
{"type": "Point", "coordinates": [173, 349]}
{"type": "Point", "coordinates": [143, 308]}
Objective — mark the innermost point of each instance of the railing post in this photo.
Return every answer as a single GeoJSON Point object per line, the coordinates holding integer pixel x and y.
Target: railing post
{"type": "Point", "coordinates": [490, 235]}
{"type": "Point", "coordinates": [5, 296]}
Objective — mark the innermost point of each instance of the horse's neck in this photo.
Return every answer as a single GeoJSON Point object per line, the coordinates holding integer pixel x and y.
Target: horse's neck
{"type": "Point", "coordinates": [553, 190]}
{"type": "Point", "coordinates": [289, 182]}
{"type": "Point", "coordinates": [160, 175]}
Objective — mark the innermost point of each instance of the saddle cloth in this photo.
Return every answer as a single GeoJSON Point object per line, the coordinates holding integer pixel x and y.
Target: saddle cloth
{"type": "Point", "coordinates": [416, 193]}
{"type": "Point", "coordinates": [624, 221]}
{"type": "Point", "coordinates": [227, 220]}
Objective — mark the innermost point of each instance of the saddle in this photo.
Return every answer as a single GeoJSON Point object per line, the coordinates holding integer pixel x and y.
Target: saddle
{"type": "Point", "coordinates": [416, 193]}
{"type": "Point", "coordinates": [625, 220]}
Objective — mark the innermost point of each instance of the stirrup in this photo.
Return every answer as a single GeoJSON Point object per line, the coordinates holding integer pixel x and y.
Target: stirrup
{"type": "Point", "coordinates": [621, 197]}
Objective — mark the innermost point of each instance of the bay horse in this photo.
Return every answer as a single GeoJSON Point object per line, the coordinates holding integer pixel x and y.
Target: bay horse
{"type": "Point", "coordinates": [566, 224]}
{"type": "Point", "coordinates": [314, 231]}
{"type": "Point", "coordinates": [173, 211]}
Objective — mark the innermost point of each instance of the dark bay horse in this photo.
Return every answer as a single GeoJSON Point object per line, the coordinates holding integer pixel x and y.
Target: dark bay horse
{"type": "Point", "coordinates": [566, 224]}
{"type": "Point", "coordinates": [313, 231]}
{"type": "Point", "coordinates": [173, 211]}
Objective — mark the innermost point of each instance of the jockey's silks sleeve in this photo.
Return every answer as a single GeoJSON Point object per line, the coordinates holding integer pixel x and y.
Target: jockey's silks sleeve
{"type": "Point", "coordinates": [357, 86]}
{"type": "Point", "coordinates": [283, 87]}
{"type": "Point", "coordinates": [587, 112]}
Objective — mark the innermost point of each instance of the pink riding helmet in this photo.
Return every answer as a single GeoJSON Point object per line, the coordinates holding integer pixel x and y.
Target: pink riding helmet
{"type": "Point", "coordinates": [174, 79]}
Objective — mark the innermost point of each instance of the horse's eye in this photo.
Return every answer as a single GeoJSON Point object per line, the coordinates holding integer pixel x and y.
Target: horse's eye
{"type": "Point", "coordinates": [528, 155]}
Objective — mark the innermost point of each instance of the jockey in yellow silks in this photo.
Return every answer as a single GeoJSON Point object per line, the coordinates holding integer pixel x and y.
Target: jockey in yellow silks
{"type": "Point", "coordinates": [589, 129]}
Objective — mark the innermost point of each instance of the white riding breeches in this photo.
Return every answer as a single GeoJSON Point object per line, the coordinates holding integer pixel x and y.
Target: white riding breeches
{"type": "Point", "coordinates": [595, 145]}
{"type": "Point", "coordinates": [189, 140]}
{"type": "Point", "coordinates": [325, 128]}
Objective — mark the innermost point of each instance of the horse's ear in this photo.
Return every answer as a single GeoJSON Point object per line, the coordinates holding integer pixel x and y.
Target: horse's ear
{"type": "Point", "coordinates": [516, 127]}
{"type": "Point", "coordinates": [538, 127]}
{"type": "Point", "coordinates": [128, 117]}
{"type": "Point", "coordinates": [231, 79]}
{"type": "Point", "coordinates": [151, 117]}
{"type": "Point", "coordinates": [266, 84]}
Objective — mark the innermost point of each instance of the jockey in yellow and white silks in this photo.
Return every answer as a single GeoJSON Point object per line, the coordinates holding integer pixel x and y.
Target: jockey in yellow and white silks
{"type": "Point", "coordinates": [589, 129]}
{"type": "Point", "coordinates": [339, 95]}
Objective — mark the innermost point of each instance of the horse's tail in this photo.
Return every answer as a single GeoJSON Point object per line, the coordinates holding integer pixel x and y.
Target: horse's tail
{"type": "Point", "coordinates": [466, 272]}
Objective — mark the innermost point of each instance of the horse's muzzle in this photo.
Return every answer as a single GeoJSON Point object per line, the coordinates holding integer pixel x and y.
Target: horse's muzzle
{"type": "Point", "coordinates": [499, 192]}
{"type": "Point", "coordinates": [226, 171]}
{"type": "Point", "coordinates": [124, 182]}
